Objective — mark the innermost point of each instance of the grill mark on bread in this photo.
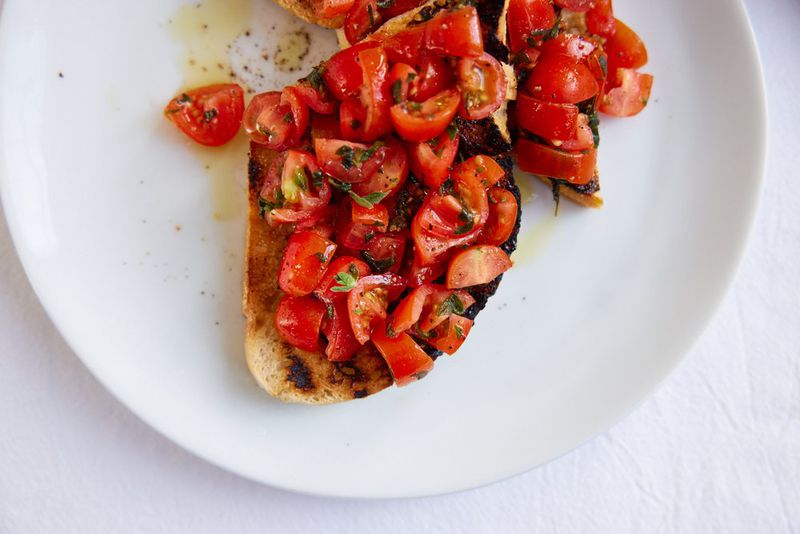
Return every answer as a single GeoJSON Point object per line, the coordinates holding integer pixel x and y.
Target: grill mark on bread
{"type": "Point", "coordinates": [298, 374]}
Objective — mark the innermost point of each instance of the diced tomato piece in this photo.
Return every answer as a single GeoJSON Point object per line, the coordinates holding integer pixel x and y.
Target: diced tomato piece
{"type": "Point", "coordinates": [376, 217]}
{"type": "Point", "coordinates": [583, 138]}
{"type": "Point", "coordinates": [321, 222]}
{"type": "Point", "coordinates": [385, 252]}
{"type": "Point", "coordinates": [442, 303]}
{"type": "Point", "coordinates": [483, 86]}
{"type": "Point", "coordinates": [368, 300]}
{"type": "Point", "coordinates": [293, 190]}
{"type": "Point", "coordinates": [390, 176]}
{"type": "Point", "coordinates": [342, 72]}
{"type": "Point", "coordinates": [536, 158]}
{"type": "Point", "coordinates": [477, 265]}
{"type": "Point", "coordinates": [317, 99]}
{"type": "Point", "coordinates": [418, 274]}
{"type": "Point", "coordinates": [400, 77]}
{"type": "Point", "coordinates": [269, 122]}
{"type": "Point", "coordinates": [362, 19]}
{"type": "Point", "coordinates": [529, 20]}
{"type": "Point", "coordinates": [352, 115]}
{"type": "Point", "coordinates": [343, 264]}
{"type": "Point", "coordinates": [331, 8]}
{"type": "Point", "coordinates": [480, 169]}
{"type": "Point", "coordinates": [305, 260]}
{"type": "Point", "coordinates": [409, 310]}
{"type": "Point", "coordinates": [630, 97]}
{"type": "Point", "coordinates": [406, 360]}
{"type": "Point", "coordinates": [451, 334]}
{"type": "Point", "coordinates": [625, 50]}
{"type": "Point", "coordinates": [569, 45]}
{"type": "Point", "coordinates": [342, 344]}
{"type": "Point", "coordinates": [431, 160]}
{"type": "Point", "coordinates": [434, 76]}
{"type": "Point", "coordinates": [526, 59]}
{"type": "Point", "coordinates": [298, 321]}
{"type": "Point", "coordinates": [547, 119]}
{"type": "Point", "coordinates": [419, 122]}
{"type": "Point", "coordinates": [292, 97]}
{"type": "Point", "coordinates": [455, 33]}
{"type": "Point", "coordinates": [398, 7]}
{"type": "Point", "coordinates": [580, 6]}
{"type": "Point", "coordinates": [503, 210]}
{"type": "Point", "coordinates": [600, 19]}
{"type": "Point", "coordinates": [325, 127]}
{"type": "Point", "coordinates": [348, 162]}
{"type": "Point", "coordinates": [558, 78]}
{"type": "Point", "coordinates": [404, 46]}
{"type": "Point", "coordinates": [209, 115]}
{"type": "Point", "coordinates": [375, 93]}
{"type": "Point", "coordinates": [350, 234]}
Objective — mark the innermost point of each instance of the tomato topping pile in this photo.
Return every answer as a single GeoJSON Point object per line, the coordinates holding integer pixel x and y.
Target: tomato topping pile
{"type": "Point", "coordinates": [568, 79]}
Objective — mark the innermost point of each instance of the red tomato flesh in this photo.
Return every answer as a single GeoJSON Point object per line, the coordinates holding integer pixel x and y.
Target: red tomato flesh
{"type": "Point", "coordinates": [406, 360]}
{"type": "Point", "coordinates": [415, 121]}
{"type": "Point", "coordinates": [368, 300]}
{"type": "Point", "coordinates": [531, 20]}
{"type": "Point", "coordinates": [298, 321]}
{"type": "Point", "coordinates": [343, 74]}
{"type": "Point", "coordinates": [483, 86]}
{"type": "Point", "coordinates": [547, 119]}
{"type": "Point", "coordinates": [629, 97]}
{"type": "Point", "coordinates": [559, 78]}
{"type": "Point", "coordinates": [269, 122]}
{"type": "Point", "coordinates": [209, 115]}
{"type": "Point", "coordinates": [476, 265]}
{"type": "Point", "coordinates": [503, 210]}
{"type": "Point", "coordinates": [451, 334]}
{"type": "Point", "coordinates": [431, 160]}
{"type": "Point", "coordinates": [577, 168]}
{"type": "Point", "coordinates": [305, 260]}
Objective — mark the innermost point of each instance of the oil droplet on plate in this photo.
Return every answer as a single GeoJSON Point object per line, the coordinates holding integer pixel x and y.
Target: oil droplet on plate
{"type": "Point", "coordinates": [533, 240]}
{"type": "Point", "coordinates": [226, 165]}
{"type": "Point", "coordinates": [292, 49]}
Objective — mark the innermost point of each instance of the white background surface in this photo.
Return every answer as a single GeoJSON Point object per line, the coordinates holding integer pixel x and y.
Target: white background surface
{"type": "Point", "coordinates": [716, 450]}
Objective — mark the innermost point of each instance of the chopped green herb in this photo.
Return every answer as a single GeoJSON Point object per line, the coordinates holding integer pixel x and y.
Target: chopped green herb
{"type": "Point", "coordinates": [288, 117]}
{"type": "Point", "coordinates": [556, 194]}
{"type": "Point", "coordinates": [347, 154]}
{"type": "Point", "coordinates": [362, 155]}
{"type": "Point", "coordinates": [265, 131]}
{"type": "Point", "coordinates": [451, 305]}
{"type": "Point", "coordinates": [603, 64]}
{"type": "Point", "coordinates": [210, 114]}
{"type": "Point", "coordinates": [353, 270]}
{"type": "Point", "coordinates": [314, 78]}
{"type": "Point", "coordinates": [467, 218]}
{"type": "Point", "coordinates": [355, 124]}
{"type": "Point", "coordinates": [367, 201]}
{"type": "Point", "coordinates": [452, 131]}
{"type": "Point", "coordinates": [385, 4]}
{"type": "Point", "coordinates": [411, 76]}
{"type": "Point", "coordinates": [321, 257]}
{"type": "Point", "coordinates": [369, 237]}
{"type": "Point", "coordinates": [345, 280]}
{"type": "Point", "coordinates": [184, 99]}
{"type": "Point", "coordinates": [341, 186]}
{"type": "Point", "coordinates": [371, 15]}
{"type": "Point", "coordinates": [358, 311]}
{"type": "Point", "coordinates": [317, 178]}
{"type": "Point", "coordinates": [459, 332]}
{"type": "Point", "coordinates": [329, 310]}
{"type": "Point", "coordinates": [299, 178]}
{"type": "Point", "coordinates": [397, 91]}
{"type": "Point", "coordinates": [378, 266]}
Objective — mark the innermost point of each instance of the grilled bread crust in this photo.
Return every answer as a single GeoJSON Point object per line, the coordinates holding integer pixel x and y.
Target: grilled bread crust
{"type": "Point", "coordinates": [305, 10]}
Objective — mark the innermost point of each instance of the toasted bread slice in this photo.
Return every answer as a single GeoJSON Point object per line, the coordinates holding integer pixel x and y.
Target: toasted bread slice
{"type": "Point", "coordinates": [294, 375]}
{"type": "Point", "coordinates": [305, 10]}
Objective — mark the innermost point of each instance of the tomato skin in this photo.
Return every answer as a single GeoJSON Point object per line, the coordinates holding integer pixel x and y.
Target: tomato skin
{"type": "Point", "coordinates": [476, 265]}
{"type": "Point", "coordinates": [480, 169]}
{"type": "Point", "coordinates": [583, 138]}
{"type": "Point", "coordinates": [376, 217]}
{"type": "Point", "coordinates": [318, 100]}
{"type": "Point", "coordinates": [305, 260]}
{"type": "Point", "coordinates": [368, 300]}
{"type": "Point", "coordinates": [343, 74]}
{"type": "Point", "coordinates": [325, 127]}
{"type": "Point", "coordinates": [338, 265]}
{"type": "Point", "coordinates": [600, 19]}
{"type": "Point", "coordinates": [398, 7]}
{"type": "Point", "coordinates": [580, 6]}
{"type": "Point", "coordinates": [362, 19]}
{"type": "Point", "coordinates": [576, 168]}
{"type": "Point", "coordinates": [625, 50]}
{"type": "Point", "coordinates": [503, 210]}
{"type": "Point", "coordinates": [209, 115]}
{"type": "Point", "coordinates": [559, 78]}
{"type": "Point", "coordinates": [406, 360]}
{"type": "Point", "coordinates": [431, 164]}
{"type": "Point", "coordinates": [400, 77]}
{"type": "Point", "coordinates": [451, 334]}
{"type": "Point", "coordinates": [455, 33]}
{"type": "Point", "coordinates": [375, 93]}
{"type": "Point", "coordinates": [569, 45]}
{"type": "Point", "coordinates": [418, 274]}
{"type": "Point", "coordinates": [298, 321]}
{"type": "Point", "coordinates": [293, 200]}
{"type": "Point", "coordinates": [434, 76]}
{"type": "Point", "coordinates": [526, 58]}
{"type": "Point", "coordinates": [391, 174]}
{"type": "Point", "coordinates": [292, 97]}
{"type": "Point", "coordinates": [483, 85]}
{"type": "Point", "coordinates": [410, 308]}
{"type": "Point", "coordinates": [547, 119]}
{"type": "Point", "coordinates": [433, 314]}
{"type": "Point", "coordinates": [629, 97]}
{"type": "Point", "coordinates": [342, 344]}
{"type": "Point", "coordinates": [332, 8]}
{"type": "Point", "coordinates": [530, 17]}
{"type": "Point", "coordinates": [331, 158]}
{"type": "Point", "coordinates": [386, 249]}
{"type": "Point", "coordinates": [404, 46]}
{"type": "Point", "coordinates": [423, 121]}
{"type": "Point", "coordinates": [265, 121]}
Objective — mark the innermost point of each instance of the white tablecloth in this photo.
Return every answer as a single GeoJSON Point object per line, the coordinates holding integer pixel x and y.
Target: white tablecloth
{"type": "Point", "coordinates": [717, 449]}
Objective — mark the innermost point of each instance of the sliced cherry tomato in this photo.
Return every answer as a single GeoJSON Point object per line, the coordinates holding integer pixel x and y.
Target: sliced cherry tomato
{"type": "Point", "coordinates": [409, 309]}
{"type": "Point", "coordinates": [558, 78]}
{"type": "Point", "coordinates": [450, 335]}
{"type": "Point", "coordinates": [349, 162]}
{"type": "Point", "coordinates": [331, 8]}
{"type": "Point", "coordinates": [483, 86]}
{"type": "Point", "coordinates": [292, 97]}
{"type": "Point", "coordinates": [368, 300]}
{"type": "Point", "coordinates": [343, 264]}
{"type": "Point", "coordinates": [316, 98]}
{"type": "Point", "coordinates": [209, 115]}
{"type": "Point", "coordinates": [503, 209]}
{"type": "Point", "coordinates": [269, 122]}
{"type": "Point", "coordinates": [431, 160]}
{"type": "Point", "coordinates": [352, 115]}
{"type": "Point", "coordinates": [442, 303]}
{"type": "Point", "coordinates": [376, 217]}
{"type": "Point", "coordinates": [480, 169]}
{"type": "Point", "coordinates": [418, 122]}
{"type": "Point", "coordinates": [390, 176]}
{"type": "Point", "coordinates": [321, 221]}
{"type": "Point", "coordinates": [325, 127]}
{"type": "Point", "coordinates": [531, 20]}
{"type": "Point", "coordinates": [375, 93]}
{"type": "Point", "coordinates": [385, 252]}
{"type": "Point", "coordinates": [570, 45]}
{"type": "Point", "coordinates": [406, 360]}
{"type": "Point", "coordinates": [403, 46]}
{"type": "Point", "coordinates": [536, 158]}
{"type": "Point", "coordinates": [350, 234]}
{"type": "Point", "coordinates": [600, 19]}
{"type": "Point", "coordinates": [342, 72]}
{"type": "Point", "coordinates": [294, 188]}
{"type": "Point", "coordinates": [625, 49]}
{"type": "Point", "coordinates": [526, 59]}
{"type": "Point", "coordinates": [342, 344]}
{"type": "Point", "coordinates": [298, 321]}
{"type": "Point", "coordinates": [435, 75]}
{"type": "Point", "coordinates": [630, 97]}
{"type": "Point", "coordinates": [476, 265]}
{"type": "Point", "coordinates": [418, 274]}
{"type": "Point", "coordinates": [305, 259]}
{"type": "Point", "coordinates": [400, 77]}
{"type": "Point", "coordinates": [597, 63]}
{"type": "Point", "coordinates": [362, 19]}
{"type": "Point", "coordinates": [455, 33]}
{"type": "Point", "coordinates": [547, 119]}
{"type": "Point", "coordinates": [583, 138]}
{"type": "Point", "coordinates": [580, 6]}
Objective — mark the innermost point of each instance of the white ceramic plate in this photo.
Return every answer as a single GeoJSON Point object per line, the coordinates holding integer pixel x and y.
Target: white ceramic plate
{"type": "Point", "coordinates": [135, 249]}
